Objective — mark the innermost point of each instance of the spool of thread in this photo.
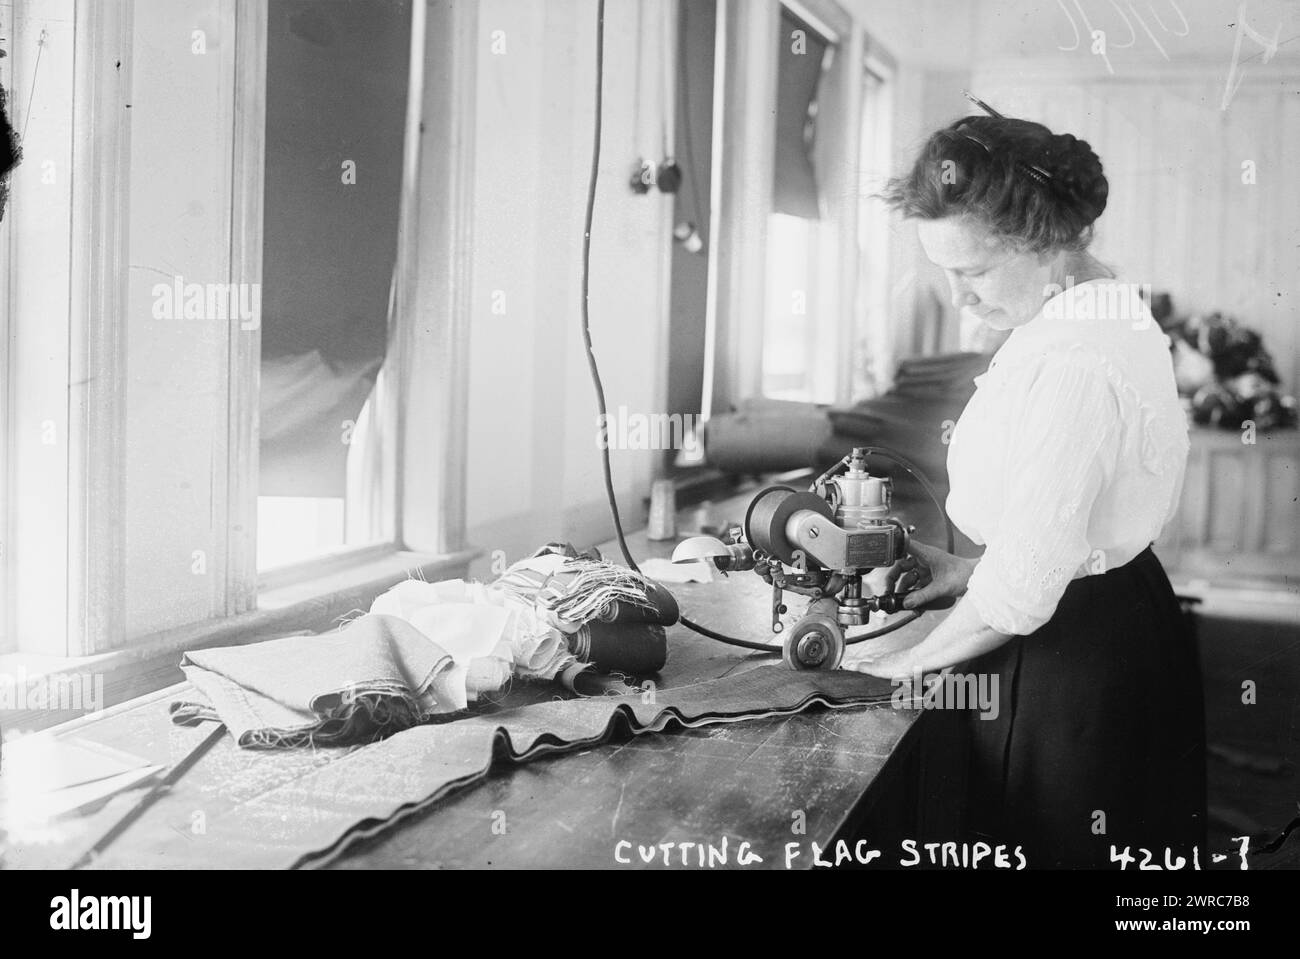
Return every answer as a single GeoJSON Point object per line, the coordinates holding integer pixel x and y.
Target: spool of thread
{"type": "Point", "coordinates": [635, 648]}
{"type": "Point", "coordinates": [663, 511]}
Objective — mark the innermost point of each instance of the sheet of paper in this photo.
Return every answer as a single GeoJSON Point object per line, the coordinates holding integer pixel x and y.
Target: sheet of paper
{"type": "Point", "coordinates": [44, 777]}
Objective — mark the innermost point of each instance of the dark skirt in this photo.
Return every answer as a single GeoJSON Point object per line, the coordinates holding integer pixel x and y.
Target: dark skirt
{"type": "Point", "coordinates": [1099, 740]}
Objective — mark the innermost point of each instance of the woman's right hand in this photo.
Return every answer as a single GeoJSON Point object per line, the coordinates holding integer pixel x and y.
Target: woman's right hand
{"type": "Point", "coordinates": [928, 574]}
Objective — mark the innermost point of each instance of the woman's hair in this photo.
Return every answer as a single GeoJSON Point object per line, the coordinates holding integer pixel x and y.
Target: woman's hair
{"type": "Point", "coordinates": [1037, 190]}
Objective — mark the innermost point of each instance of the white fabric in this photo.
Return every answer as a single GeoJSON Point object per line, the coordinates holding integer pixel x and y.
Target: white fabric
{"type": "Point", "coordinates": [1069, 459]}
{"type": "Point", "coordinates": [489, 634]}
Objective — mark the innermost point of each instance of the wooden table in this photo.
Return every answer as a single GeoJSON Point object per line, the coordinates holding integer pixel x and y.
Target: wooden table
{"type": "Point", "coordinates": [749, 781]}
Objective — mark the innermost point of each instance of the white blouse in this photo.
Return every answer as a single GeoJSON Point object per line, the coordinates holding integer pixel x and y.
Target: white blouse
{"type": "Point", "coordinates": [1069, 459]}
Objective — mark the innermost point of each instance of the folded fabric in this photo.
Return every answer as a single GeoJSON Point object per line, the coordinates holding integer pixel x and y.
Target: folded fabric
{"type": "Point", "coordinates": [376, 675]}
{"type": "Point", "coordinates": [427, 649]}
{"type": "Point", "coordinates": [491, 635]}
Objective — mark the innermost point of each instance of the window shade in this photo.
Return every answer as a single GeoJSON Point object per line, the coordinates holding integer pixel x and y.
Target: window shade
{"type": "Point", "coordinates": [800, 54]}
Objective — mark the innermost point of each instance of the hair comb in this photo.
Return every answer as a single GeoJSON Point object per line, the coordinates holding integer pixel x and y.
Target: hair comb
{"type": "Point", "coordinates": [982, 105]}
{"type": "Point", "coordinates": [1033, 170]}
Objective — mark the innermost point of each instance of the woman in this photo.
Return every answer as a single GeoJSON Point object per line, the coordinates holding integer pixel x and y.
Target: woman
{"type": "Point", "coordinates": [1065, 465]}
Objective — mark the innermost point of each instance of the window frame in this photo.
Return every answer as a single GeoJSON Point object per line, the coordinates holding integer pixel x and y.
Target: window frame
{"type": "Point", "coordinates": [98, 283]}
{"type": "Point", "coordinates": [66, 426]}
{"type": "Point", "coordinates": [425, 414]}
{"type": "Point", "coordinates": [874, 336]}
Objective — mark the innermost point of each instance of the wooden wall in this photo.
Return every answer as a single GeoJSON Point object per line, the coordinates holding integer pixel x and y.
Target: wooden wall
{"type": "Point", "coordinates": [1237, 515]}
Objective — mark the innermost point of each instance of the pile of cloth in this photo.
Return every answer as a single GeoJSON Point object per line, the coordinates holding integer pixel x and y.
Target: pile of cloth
{"type": "Point", "coordinates": [428, 650]}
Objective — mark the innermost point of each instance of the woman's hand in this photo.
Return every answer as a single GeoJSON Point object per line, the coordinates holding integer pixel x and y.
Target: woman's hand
{"type": "Point", "coordinates": [928, 574]}
{"type": "Point", "coordinates": [961, 637]}
{"type": "Point", "coordinates": [886, 664]}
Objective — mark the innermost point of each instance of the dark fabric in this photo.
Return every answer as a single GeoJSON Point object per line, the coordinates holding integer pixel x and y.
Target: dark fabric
{"type": "Point", "coordinates": [1102, 709]}
{"type": "Point", "coordinates": [663, 609]}
{"type": "Point", "coordinates": [944, 374]}
{"type": "Point", "coordinates": [928, 391]}
{"type": "Point", "coordinates": [265, 820]}
{"type": "Point", "coordinates": [764, 436]}
{"type": "Point", "coordinates": [637, 649]}
{"type": "Point", "coordinates": [772, 435]}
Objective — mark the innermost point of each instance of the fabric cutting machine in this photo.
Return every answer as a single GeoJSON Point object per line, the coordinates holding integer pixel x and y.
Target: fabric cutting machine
{"type": "Point", "coordinates": [819, 543]}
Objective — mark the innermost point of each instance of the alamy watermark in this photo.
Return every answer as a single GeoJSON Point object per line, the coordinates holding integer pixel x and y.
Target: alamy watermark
{"type": "Point", "coordinates": [1091, 301]}
{"type": "Point", "coordinates": [75, 912]}
{"type": "Point", "coordinates": [60, 692]}
{"type": "Point", "coordinates": [624, 430]}
{"type": "Point", "coordinates": [948, 691]}
{"type": "Point", "coordinates": [179, 300]}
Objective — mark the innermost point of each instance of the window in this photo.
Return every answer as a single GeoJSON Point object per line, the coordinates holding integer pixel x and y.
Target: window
{"type": "Point", "coordinates": [799, 336]}
{"type": "Point", "coordinates": [787, 211]}
{"type": "Point", "coordinates": [144, 296]}
{"type": "Point", "coordinates": [336, 97]}
{"type": "Point", "coordinates": [798, 329]}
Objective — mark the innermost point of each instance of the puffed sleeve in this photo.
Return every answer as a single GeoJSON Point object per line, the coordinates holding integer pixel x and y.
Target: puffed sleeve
{"type": "Point", "coordinates": [1063, 438]}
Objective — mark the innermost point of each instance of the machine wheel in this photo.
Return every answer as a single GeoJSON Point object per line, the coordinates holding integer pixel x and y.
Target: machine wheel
{"type": "Point", "coordinates": [816, 642]}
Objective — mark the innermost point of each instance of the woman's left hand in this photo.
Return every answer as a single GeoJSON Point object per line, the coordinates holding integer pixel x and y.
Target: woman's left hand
{"type": "Point", "coordinates": [888, 664]}
{"type": "Point", "coordinates": [961, 637]}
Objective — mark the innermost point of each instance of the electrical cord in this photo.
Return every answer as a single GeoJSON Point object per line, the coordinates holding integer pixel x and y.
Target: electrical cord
{"type": "Point", "coordinates": [602, 408]}
{"type": "Point", "coordinates": [591, 355]}
{"type": "Point", "coordinates": [603, 419]}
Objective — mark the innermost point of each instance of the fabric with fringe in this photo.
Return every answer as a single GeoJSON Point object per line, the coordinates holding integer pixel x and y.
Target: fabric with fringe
{"type": "Point", "coordinates": [570, 589]}
{"type": "Point", "coordinates": [375, 676]}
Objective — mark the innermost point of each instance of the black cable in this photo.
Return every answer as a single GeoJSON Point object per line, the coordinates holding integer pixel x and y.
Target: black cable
{"type": "Point", "coordinates": [600, 389]}
{"type": "Point", "coordinates": [586, 287]}
{"type": "Point", "coordinates": [767, 648]}
{"type": "Point", "coordinates": [912, 615]}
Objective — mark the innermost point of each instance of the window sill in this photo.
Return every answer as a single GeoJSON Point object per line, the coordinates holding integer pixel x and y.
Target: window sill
{"type": "Point", "coordinates": [153, 662]}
